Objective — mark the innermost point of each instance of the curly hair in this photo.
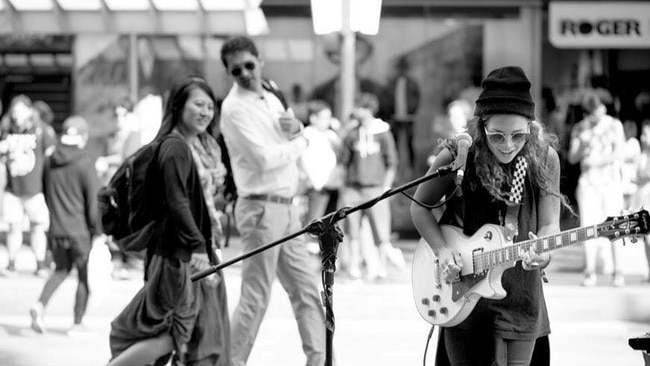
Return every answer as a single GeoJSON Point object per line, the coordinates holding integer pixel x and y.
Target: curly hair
{"type": "Point", "coordinates": [493, 175]}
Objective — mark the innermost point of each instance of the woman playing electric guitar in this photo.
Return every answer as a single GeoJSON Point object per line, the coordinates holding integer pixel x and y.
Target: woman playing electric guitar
{"type": "Point", "coordinates": [512, 176]}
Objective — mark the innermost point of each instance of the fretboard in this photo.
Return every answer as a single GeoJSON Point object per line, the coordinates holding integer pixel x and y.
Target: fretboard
{"type": "Point", "coordinates": [492, 258]}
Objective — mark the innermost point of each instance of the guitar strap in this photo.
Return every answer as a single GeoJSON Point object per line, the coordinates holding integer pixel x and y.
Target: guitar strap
{"type": "Point", "coordinates": [511, 228]}
{"type": "Point", "coordinates": [511, 222]}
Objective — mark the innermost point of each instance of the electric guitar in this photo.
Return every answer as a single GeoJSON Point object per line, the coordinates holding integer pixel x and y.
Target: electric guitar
{"type": "Point", "coordinates": [485, 256]}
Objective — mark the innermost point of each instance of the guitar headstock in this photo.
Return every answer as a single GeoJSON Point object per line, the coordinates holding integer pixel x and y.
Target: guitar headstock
{"type": "Point", "coordinates": [634, 224]}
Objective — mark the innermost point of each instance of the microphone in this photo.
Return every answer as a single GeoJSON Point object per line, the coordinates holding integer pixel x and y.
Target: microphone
{"type": "Point", "coordinates": [463, 142]}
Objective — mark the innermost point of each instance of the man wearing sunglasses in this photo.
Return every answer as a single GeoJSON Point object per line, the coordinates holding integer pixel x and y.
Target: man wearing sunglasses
{"type": "Point", "coordinates": [265, 141]}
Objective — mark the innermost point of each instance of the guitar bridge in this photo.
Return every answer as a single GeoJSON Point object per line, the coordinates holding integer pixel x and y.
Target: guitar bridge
{"type": "Point", "coordinates": [478, 270]}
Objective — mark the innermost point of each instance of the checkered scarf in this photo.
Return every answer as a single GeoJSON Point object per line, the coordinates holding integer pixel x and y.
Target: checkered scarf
{"type": "Point", "coordinates": [517, 184]}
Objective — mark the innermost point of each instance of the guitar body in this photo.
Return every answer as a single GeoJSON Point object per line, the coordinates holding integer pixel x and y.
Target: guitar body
{"type": "Point", "coordinates": [484, 257]}
{"type": "Point", "coordinates": [448, 303]}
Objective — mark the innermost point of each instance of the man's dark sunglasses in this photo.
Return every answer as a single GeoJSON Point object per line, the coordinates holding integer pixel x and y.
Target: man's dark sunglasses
{"type": "Point", "coordinates": [250, 66]}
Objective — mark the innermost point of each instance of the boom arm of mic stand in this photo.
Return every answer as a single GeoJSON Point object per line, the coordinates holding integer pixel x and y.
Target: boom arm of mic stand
{"type": "Point", "coordinates": [326, 221]}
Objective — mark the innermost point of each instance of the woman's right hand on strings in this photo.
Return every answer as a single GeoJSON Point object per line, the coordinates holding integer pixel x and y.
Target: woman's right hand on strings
{"type": "Point", "coordinates": [447, 264]}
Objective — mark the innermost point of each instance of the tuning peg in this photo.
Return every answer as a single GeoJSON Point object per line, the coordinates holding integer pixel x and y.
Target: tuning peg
{"type": "Point", "coordinates": [634, 239]}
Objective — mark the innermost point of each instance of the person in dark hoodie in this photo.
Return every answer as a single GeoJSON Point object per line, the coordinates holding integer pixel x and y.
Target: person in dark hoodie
{"type": "Point", "coordinates": [70, 184]}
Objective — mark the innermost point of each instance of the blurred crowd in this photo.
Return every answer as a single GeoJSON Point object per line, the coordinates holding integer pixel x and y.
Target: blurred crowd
{"type": "Point", "coordinates": [605, 169]}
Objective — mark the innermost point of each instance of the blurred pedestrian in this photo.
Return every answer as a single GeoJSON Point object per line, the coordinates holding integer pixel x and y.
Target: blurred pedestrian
{"type": "Point", "coordinates": [3, 166]}
{"type": "Point", "coordinates": [459, 111]}
{"type": "Point", "coordinates": [320, 165]}
{"type": "Point", "coordinates": [122, 143]}
{"type": "Point", "coordinates": [597, 143]}
{"type": "Point", "coordinates": [642, 196]}
{"type": "Point", "coordinates": [170, 313]}
{"type": "Point", "coordinates": [405, 100]}
{"type": "Point", "coordinates": [369, 157]}
{"type": "Point", "coordinates": [70, 185]}
{"type": "Point", "coordinates": [26, 142]}
{"type": "Point", "coordinates": [265, 142]}
{"type": "Point", "coordinates": [630, 164]}
{"type": "Point", "coordinates": [43, 113]}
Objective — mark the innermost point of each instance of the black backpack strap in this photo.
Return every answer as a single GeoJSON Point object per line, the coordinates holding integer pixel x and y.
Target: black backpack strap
{"type": "Point", "coordinates": [270, 86]}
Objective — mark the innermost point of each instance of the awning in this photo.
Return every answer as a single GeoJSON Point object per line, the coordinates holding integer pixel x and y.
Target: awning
{"type": "Point", "coordinates": [178, 17]}
{"type": "Point", "coordinates": [410, 8]}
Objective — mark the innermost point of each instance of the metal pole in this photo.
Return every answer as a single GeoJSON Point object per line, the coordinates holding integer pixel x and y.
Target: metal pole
{"type": "Point", "coordinates": [348, 64]}
{"type": "Point", "coordinates": [133, 67]}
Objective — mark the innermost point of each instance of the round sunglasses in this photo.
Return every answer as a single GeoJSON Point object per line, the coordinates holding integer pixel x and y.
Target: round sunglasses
{"type": "Point", "coordinates": [498, 138]}
{"type": "Point", "coordinates": [237, 70]}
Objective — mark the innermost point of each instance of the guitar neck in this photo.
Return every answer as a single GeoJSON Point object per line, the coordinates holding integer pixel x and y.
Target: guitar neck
{"type": "Point", "coordinates": [494, 258]}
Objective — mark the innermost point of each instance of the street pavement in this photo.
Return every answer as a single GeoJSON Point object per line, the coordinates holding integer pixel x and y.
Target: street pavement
{"type": "Point", "coordinates": [376, 323]}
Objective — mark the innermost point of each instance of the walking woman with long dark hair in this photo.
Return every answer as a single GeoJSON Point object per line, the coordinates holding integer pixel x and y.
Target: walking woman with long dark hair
{"type": "Point", "coordinates": [170, 313]}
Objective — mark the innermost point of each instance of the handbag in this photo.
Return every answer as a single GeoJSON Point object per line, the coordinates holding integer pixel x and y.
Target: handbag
{"type": "Point", "coordinates": [100, 268]}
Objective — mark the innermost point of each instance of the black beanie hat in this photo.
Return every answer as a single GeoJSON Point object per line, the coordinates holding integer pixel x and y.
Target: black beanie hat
{"type": "Point", "coordinates": [506, 91]}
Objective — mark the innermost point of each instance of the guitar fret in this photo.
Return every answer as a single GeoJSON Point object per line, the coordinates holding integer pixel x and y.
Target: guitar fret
{"type": "Point", "coordinates": [484, 260]}
{"type": "Point", "coordinates": [580, 235]}
{"type": "Point", "coordinates": [590, 233]}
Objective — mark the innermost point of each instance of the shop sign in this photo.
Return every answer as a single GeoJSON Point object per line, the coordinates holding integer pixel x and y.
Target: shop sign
{"type": "Point", "coordinates": [610, 24]}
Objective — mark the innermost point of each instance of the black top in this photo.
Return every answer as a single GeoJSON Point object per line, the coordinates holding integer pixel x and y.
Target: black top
{"type": "Point", "coordinates": [70, 185]}
{"type": "Point", "coordinates": [184, 226]}
{"type": "Point", "coordinates": [522, 313]}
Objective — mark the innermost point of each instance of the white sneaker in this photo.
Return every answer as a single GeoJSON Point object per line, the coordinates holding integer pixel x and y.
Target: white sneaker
{"type": "Point", "coordinates": [619, 280]}
{"type": "Point", "coordinates": [393, 255]}
{"type": "Point", "coordinates": [355, 274]}
{"type": "Point", "coordinates": [377, 273]}
{"type": "Point", "coordinates": [36, 313]}
{"type": "Point", "coordinates": [589, 281]}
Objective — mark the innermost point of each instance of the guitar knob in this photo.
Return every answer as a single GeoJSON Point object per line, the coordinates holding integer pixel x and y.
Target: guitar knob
{"type": "Point", "coordinates": [425, 301]}
{"type": "Point", "coordinates": [432, 313]}
{"type": "Point", "coordinates": [443, 310]}
{"type": "Point", "coordinates": [436, 298]}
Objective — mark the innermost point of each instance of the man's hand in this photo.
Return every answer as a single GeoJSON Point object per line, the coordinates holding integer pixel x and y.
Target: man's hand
{"type": "Point", "coordinates": [289, 124]}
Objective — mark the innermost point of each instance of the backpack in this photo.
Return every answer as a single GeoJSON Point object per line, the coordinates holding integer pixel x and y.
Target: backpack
{"type": "Point", "coordinates": [127, 208]}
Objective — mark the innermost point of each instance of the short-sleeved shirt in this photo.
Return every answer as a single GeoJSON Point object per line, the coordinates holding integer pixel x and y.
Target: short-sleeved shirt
{"type": "Point", "coordinates": [25, 159]}
{"type": "Point", "coordinates": [604, 138]}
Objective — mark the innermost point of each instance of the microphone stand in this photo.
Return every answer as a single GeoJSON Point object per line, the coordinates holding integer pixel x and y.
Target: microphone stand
{"type": "Point", "coordinates": [329, 236]}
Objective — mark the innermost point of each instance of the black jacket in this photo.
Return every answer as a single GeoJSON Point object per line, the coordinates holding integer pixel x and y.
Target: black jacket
{"type": "Point", "coordinates": [184, 226]}
{"type": "Point", "coordinates": [70, 184]}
